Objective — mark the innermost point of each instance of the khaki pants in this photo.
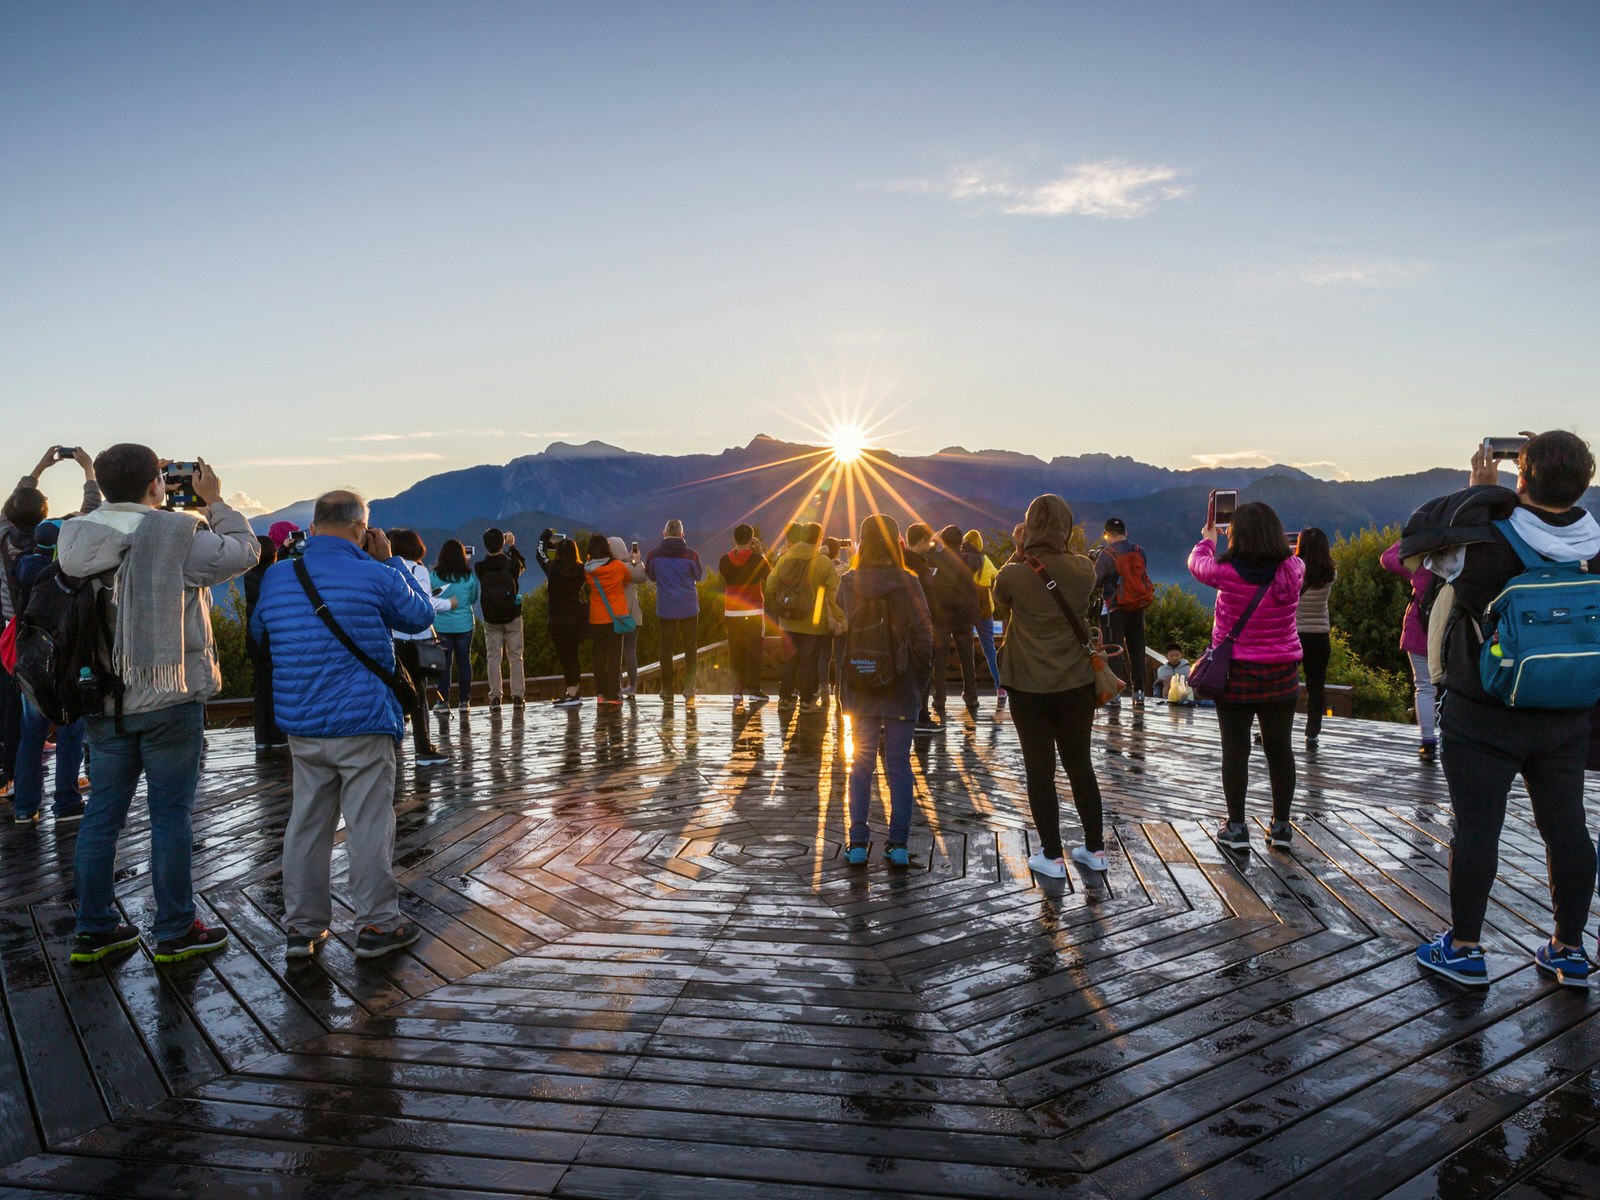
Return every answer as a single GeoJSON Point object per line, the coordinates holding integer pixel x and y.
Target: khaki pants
{"type": "Point", "coordinates": [351, 777]}
{"type": "Point", "coordinates": [505, 639]}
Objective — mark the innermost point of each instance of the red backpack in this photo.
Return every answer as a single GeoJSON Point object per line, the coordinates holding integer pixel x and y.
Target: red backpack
{"type": "Point", "coordinates": [1135, 592]}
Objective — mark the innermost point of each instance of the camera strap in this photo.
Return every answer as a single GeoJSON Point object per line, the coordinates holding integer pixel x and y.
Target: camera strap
{"type": "Point", "coordinates": [345, 640]}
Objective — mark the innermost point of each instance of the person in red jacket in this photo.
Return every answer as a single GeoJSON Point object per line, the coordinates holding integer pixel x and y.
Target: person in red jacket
{"type": "Point", "coordinates": [1264, 683]}
{"type": "Point", "coordinates": [743, 570]}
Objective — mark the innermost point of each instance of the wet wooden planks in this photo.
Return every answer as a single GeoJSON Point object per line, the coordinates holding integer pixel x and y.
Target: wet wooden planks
{"type": "Point", "coordinates": [648, 971]}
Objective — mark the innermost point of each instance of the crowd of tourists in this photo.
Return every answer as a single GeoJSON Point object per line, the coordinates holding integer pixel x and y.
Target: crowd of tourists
{"type": "Point", "coordinates": [109, 653]}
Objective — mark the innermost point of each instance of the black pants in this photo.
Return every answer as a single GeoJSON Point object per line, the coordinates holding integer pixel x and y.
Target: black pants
{"type": "Point", "coordinates": [607, 660]}
{"type": "Point", "coordinates": [1485, 748]}
{"type": "Point", "coordinates": [567, 639]}
{"type": "Point", "coordinates": [744, 652]}
{"type": "Point", "coordinates": [676, 633]}
{"type": "Point", "coordinates": [405, 651]}
{"type": "Point", "coordinates": [1277, 732]}
{"type": "Point", "coordinates": [10, 725]}
{"type": "Point", "coordinates": [799, 673]}
{"type": "Point", "coordinates": [1317, 647]}
{"type": "Point", "coordinates": [1126, 629]}
{"type": "Point", "coordinates": [965, 655]}
{"type": "Point", "coordinates": [267, 731]}
{"type": "Point", "coordinates": [1048, 724]}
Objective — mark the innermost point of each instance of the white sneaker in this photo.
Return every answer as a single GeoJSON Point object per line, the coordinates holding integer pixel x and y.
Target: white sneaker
{"type": "Point", "coordinates": [1050, 868]}
{"type": "Point", "coordinates": [627, 690]}
{"type": "Point", "coordinates": [1095, 860]}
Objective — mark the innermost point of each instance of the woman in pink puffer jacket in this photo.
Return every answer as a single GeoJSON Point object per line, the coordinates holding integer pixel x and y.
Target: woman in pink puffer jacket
{"type": "Point", "coordinates": [1264, 683]}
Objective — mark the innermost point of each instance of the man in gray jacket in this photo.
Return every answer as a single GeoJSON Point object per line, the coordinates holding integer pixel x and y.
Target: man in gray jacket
{"type": "Point", "coordinates": [161, 566]}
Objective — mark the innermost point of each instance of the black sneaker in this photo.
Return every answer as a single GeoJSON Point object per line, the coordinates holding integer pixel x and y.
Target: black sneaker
{"type": "Point", "coordinates": [92, 947]}
{"type": "Point", "coordinates": [757, 697]}
{"type": "Point", "coordinates": [1311, 743]}
{"type": "Point", "coordinates": [1235, 835]}
{"type": "Point", "coordinates": [517, 702]}
{"type": "Point", "coordinates": [199, 939]}
{"type": "Point", "coordinates": [926, 724]}
{"type": "Point", "coordinates": [443, 707]}
{"type": "Point", "coordinates": [1428, 751]}
{"type": "Point", "coordinates": [303, 945]}
{"type": "Point", "coordinates": [18, 819]}
{"type": "Point", "coordinates": [371, 943]}
{"type": "Point", "coordinates": [432, 756]}
{"type": "Point", "coordinates": [494, 703]}
{"type": "Point", "coordinates": [1281, 835]}
{"type": "Point", "coordinates": [67, 813]}
{"type": "Point", "coordinates": [567, 702]}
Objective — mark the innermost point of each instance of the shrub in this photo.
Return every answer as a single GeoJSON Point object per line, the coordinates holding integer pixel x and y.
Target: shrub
{"type": "Point", "coordinates": [228, 628]}
{"type": "Point", "coordinates": [1379, 695]}
{"type": "Point", "coordinates": [1177, 616]}
{"type": "Point", "coordinates": [1368, 604]}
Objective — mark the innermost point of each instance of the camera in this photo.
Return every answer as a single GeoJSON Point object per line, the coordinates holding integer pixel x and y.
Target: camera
{"type": "Point", "coordinates": [62, 453]}
{"type": "Point", "coordinates": [1503, 448]}
{"type": "Point", "coordinates": [179, 477]}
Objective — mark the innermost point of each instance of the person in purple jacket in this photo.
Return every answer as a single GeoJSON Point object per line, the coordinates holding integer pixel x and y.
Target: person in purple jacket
{"type": "Point", "coordinates": [1264, 683]}
{"type": "Point", "coordinates": [1414, 641]}
{"type": "Point", "coordinates": [676, 569]}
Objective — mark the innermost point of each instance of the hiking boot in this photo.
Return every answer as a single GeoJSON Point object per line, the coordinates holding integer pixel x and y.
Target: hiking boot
{"type": "Point", "coordinates": [1570, 966]}
{"type": "Point", "coordinates": [373, 943]}
{"type": "Point", "coordinates": [92, 947]}
{"type": "Point", "coordinates": [1235, 835]}
{"type": "Point", "coordinates": [1444, 957]}
{"type": "Point", "coordinates": [198, 939]}
{"type": "Point", "coordinates": [303, 945]}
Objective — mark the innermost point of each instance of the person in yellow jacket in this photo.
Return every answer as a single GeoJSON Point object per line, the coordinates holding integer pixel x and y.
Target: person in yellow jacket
{"type": "Point", "coordinates": [983, 573]}
{"type": "Point", "coordinates": [802, 593]}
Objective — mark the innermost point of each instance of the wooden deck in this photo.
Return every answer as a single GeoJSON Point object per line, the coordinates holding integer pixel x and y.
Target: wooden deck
{"type": "Point", "coordinates": [649, 974]}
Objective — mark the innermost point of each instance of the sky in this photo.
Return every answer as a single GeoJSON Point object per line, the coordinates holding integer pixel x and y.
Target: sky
{"type": "Point", "coordinates": [355, 244]}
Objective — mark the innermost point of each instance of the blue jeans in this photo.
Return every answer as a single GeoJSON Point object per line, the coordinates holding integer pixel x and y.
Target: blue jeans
{"type": "Point", "coordinates": [30, 762]}
{"type": "Point", "coordinates": [985, 632]}
{"type": "Point", "coordinates": [894, 737]}
{"type": "Point", "coordinates": [165, 747]}
{"type": "Point", "coordinates": [458, 654]}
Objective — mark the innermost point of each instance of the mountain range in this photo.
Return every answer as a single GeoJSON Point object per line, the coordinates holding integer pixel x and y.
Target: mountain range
{"type": "Point", "coordinates": [596, 486]}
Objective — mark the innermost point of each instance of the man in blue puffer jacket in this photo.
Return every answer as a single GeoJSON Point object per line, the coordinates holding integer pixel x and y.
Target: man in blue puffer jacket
{"type": "Point", "coordinates": [676, 569]}
{"type": "Point", "coordinates": [342, 720]}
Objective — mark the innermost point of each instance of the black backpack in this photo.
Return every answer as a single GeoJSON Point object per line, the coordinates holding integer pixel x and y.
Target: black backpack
{"type": "Point", "coordinates": [497, 592]}
{"type": "Point", "coordinates": [793, 597]}
{"type": "Point", "coordinates": [876, 655]}
{"type": "Point", "coordinates": [61, 638]}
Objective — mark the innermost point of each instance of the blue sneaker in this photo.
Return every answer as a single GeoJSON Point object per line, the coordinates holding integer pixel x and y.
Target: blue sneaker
{"type": "Point", "coordinates": [1570, 966]}
{"type": "Point", "coordinates": [1447, 959]}
{"type": "Point", "coordinates": [856, 856]}
{"type": "Point", "coordinates": [897, 856]}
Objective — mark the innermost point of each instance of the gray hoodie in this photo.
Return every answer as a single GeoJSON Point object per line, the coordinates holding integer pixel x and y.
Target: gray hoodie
{"type": "Point", "coordinates": [224, 548]}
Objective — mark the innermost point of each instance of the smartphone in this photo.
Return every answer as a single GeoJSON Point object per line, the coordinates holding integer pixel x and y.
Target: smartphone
{"type": "Point", "coordinates": [636, 548]}
{"type": "Point", "coordinates": [1224, 503]}
{"type": "Point", "coordinates": [1294, 539]}
{"type": "Point", "coordinates": [469, 551]}
{"type": "Point", "coordinates": [179, 477]}
{"type": "Point", "coordinates": [1502, 448]}
{"type": "Point", "coordinates": [65, 452]}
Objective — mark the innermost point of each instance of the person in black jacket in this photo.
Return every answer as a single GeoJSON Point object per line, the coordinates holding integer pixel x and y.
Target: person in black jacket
{"type": "Point", "coordinates": [1487, 744]}
{"type": "Point", "coordinates": [268, 736]}
{"type": "Point", "coordinates": [952, 595]}
{"type": "Point", "coordinates": [500, 596]}
{"type": "Point", "coordinates": [568, 612]}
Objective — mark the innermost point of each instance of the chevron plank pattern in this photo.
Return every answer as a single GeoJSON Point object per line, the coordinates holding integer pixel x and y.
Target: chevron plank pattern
{"type": "Point", "coordinates": [647, 971]}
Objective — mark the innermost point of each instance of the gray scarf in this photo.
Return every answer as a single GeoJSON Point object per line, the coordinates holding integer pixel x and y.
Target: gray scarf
{"type": "Point", "coordinates": [148, 652]}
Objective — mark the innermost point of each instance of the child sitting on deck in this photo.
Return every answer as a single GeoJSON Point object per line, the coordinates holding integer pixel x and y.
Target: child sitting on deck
{"type": "Point", "coordinates": [1175, 668]}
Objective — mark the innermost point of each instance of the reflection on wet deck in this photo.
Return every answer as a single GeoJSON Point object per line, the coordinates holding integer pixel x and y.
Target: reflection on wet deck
{"type": "Point", "coordinates": [649, 973]}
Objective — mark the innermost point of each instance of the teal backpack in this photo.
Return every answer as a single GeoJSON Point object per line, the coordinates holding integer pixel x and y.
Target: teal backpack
{"type": "Point", "coordinates": [1541, 644]}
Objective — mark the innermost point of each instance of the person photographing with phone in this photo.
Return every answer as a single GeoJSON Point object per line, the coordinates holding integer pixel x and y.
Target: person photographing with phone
{"type": "Point", "coordinates": [1523, 566]}
{"type": "Point", "coordinates": [159, 567]}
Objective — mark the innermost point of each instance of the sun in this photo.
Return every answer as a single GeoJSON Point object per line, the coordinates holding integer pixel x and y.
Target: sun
{"type": "Point", "coordinates": [847, 442]}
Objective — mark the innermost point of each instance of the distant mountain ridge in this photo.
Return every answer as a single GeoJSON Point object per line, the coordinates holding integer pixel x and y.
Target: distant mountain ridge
{"type": "Point", "coordinates": [596, 486]}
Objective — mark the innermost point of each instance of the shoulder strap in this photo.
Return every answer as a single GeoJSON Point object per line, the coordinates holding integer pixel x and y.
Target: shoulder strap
{"type": "Point", "coordinates": [600, 587]}
{"type": "Point", "coordinates": [1249, 611]}
{"type": "Point", "coordinates": [345, 640]}
{"type": "Point", "coordinates": [1043, 572]}
{"type": "Point", "coordinates": [1530, 557]}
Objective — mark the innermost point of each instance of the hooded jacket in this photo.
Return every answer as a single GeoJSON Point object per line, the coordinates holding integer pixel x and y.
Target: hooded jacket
{"type": "Point", "coordinates": [675, 569]}
{"type": "Point", "coordinates": [950, 583]}
{"type": "Point", "coordinates": [1413, 634]}
{"type": "Point", "coordinates": [1043, 652]}
{"type": "Point", "coordinates": [743, 572]}
{"type": "Point", "coordinates": [1270, 636]}
{"type": "Point", "coordinates": [319, 690]}
{"type": "Point", "coordinates": [224, 547]}
{"type": "Point", "coordinates": [1457, 536]}
{"type": "Point", "coordinates": [909, 617]}
{"type": "Point", "coordinates": [565, 606]}
{"type": "Point", "coordinates": [821, 583]}
{"type": "Point", "coordinates": [619, 578]}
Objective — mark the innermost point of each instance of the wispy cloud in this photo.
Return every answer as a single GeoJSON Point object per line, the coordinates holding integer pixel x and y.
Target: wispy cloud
{"type": "Point", "coordinates": [1109, 189]}
{"type": "Point", "coordinates": [1235, 458]}
{"type": "Point", "coordinates": [336, 460]}
{"type": "Point", "coordinates": [1350, 271]}
{"type": "Point", "coordinates": [419, 434]}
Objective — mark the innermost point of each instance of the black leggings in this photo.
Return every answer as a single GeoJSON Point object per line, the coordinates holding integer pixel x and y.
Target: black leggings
{"type": "Point", "coordinates": [1485, 748]}
{"type": "Point", "coordinates": [405, 651]}
{"type": "Point", "coordinates": [567, 639]}
{"type": "Point", "coordinates": [1277, 730]}
{"type": "Point", "coordinates": [1049, 723]}
{"type": "Point", "coordinates": [1316, 647]}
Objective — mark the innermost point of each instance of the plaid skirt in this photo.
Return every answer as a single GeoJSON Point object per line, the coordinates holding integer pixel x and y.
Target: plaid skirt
{"type": "Point", "coordinates": [1261, 683]}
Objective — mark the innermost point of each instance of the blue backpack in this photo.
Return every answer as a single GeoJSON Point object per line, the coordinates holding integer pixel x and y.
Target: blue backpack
{"type": "Point", "coordinates": [1541, 644]}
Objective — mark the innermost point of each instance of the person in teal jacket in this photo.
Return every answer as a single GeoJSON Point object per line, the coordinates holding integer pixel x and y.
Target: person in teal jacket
{"type": "Point", "coordinates": [452, 579]}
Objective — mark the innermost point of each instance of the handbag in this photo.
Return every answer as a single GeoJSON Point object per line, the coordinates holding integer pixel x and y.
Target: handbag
{"type": "Point", "coordinates": [432, 659]}
{"type": "Point", "coordinates": [623, 624]}
{"type": "Point", "coordinates": [1107, 684]}
{"type": "Point", "coordinates": [399, 680]}
{"type": "Point", "coordinates": [1209, 676]}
